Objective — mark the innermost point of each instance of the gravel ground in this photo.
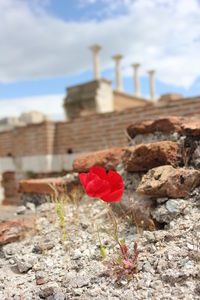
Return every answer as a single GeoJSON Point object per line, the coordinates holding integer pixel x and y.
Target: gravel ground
{"type": "Point", "coordinates": [43, 266]}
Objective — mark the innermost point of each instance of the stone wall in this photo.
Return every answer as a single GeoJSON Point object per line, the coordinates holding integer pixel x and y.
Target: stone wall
{"type": "Point", "coordinates": [51, 147]}
{"type": "Point", "coordinates": [86, 134]}
{"type": "Point", "coordinates": [123, 100]}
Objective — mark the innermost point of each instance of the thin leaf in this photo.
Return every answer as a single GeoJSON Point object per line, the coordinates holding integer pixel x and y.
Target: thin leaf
{"type": "Point", "coordinates": [103, 251]}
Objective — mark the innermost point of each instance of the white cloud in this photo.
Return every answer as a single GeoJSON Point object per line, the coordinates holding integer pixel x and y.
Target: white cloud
{"type": "Point", "coordinates": [163, 34]}
{"type": "Point", "coordinates": [50, 105]}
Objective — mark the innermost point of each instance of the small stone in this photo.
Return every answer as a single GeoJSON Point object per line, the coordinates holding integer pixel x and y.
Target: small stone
{"type": "Point", "coordinates": [192, 247]}
{"type": "Point", "coordinates": [172, 206]}
{"type": "Point", "coordinates": [21, 210]}
{"type": "Point", "coordinates": [161, 200]}
{"type": "Point", "coordinates": [147, 267]}
{"type": "Point", "coordinates": [45, 244]}
{"type": "Point", "coordinates": [39, 275]}
{"type": "Point", "coordinates": [11, 261]}
{"type": "Point", "coordinates": [41, 281]}
{"type": "Point", "coordinates": [150, 236]}
{"type": "Point", "coordinates": [23, 265]}
{"type": "Point", "coordinates": [59, 296]}
{"type": "Point", "coordinates": [123, 282]}
{"type": "Point", "coordinates": [77, 254]}
{"type": "Point", "coordinates": [47, 291]}
{"type": "Point", "coordinates": [82, 281]}
{"type": "Point", "coordinates": [30, 206]}
{"type": "Point", "coordinates": [162, 215]}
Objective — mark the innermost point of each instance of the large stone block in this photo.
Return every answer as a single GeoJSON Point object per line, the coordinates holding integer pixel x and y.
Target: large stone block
{"type": "Point", "coordinates": [51, 185]}
{"type": "Point", "coordinates": [108, 159]}
{"type": "Point", "coordinates": [147, 156]}
{"type": "Point", "coordinates": [166, 125]}
{"type": "Point", "coordinates": [42, 186]}
{"type": "Point", "coordinates": [166, 181]}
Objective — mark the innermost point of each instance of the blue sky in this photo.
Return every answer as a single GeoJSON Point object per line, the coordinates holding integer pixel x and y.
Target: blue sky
{"type": "Point", "coordinates": [44, 48]}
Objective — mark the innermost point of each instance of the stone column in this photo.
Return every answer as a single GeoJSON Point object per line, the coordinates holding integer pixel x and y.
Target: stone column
{"type": "Point", "coordinates": [152, 84]}
{"type": "Point", "coordinates": [119, 85]}
{"type": "Point", "coordinates": [136, 80]}
{"type": "Point", "coordinates": [96, 66]}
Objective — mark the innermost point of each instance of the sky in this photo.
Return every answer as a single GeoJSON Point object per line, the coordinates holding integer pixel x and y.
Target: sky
{"type": "Point", "coordinates": [45, 48]}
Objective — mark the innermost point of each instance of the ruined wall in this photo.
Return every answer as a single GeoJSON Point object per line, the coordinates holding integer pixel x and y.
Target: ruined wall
{"type": "Point", "coordinates": [86, 134]}
{"type": "Point", "coordinates": [52, 147]}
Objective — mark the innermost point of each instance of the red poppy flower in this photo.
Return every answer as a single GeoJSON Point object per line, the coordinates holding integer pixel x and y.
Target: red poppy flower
{"type": "Point", "coordinates": [108, 187]}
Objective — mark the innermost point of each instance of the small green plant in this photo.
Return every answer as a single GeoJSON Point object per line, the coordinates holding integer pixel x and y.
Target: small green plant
{"type": "Point", "coordinates": [125, 264]}
{"type": "Point", "coordinates": [102, 249]}
{"type": "Point", "coordinates": [60, 214]}
{"type": "Point", "coordinates": [59, 201]}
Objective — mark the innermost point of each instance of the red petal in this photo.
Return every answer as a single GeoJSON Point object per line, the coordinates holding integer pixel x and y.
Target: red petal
{"type": "Point", "coordinates": [83, 178]}
{"type": "Point", "coordinates": [99, 171]}
{"type": "Point", "coordinates": [117, 187]}
{"type": "Point", "coordinates": [113, 196]}
{"type": "Point", "coordinates": [115, 180]}
{"type": "Point", "coordinates": [97, 188]}
{"type": "Point", "coordinates": [94, 186]}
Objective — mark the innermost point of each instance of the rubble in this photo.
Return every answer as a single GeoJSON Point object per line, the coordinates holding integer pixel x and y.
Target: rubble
{"type": "Point", "coordinates": [10, 231]}
{"type": "Point", "coordinates": [166, 125]}
{"type": "Point", "coordinates": [159, 210]}
{"type": "Point", "coordinates": [166, 181]}
{"type": "Point", "coordinates": [147, 156]}
{"type": "Point", "coordinates": [168, 259]}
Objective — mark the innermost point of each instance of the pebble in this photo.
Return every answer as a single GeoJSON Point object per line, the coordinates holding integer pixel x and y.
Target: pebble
{"type": "Point", "coordinates": [77, 254]}
{"type": "Point", "coordinates": [23, 265]}
{"type": "Point", "coordinates": [161, 200]}
{"type": "Point", "coordinates": [82, 280]}
{"type": "Point", "coordinates": [30, 206]}
{"type": "Point", "coordinates": [172, 206]}
{"type": "Point", "coordinates": [59, 296]}
{"type": "Point", "coordinates": [45, 244]}
{"type": "Point", "coordinates": [41, 281]}
{"type": "Point", "coordinates": [21, 210]}
{"type": "Point", "coordinates": [47, 291]}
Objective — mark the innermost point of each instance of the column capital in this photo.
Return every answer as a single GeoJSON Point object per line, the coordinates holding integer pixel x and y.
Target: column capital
{"type": "Point", "coordinates": [117, 57]}
{"type": "Point", "coordinates": [95, 48]}
{"type": "Point", "coordinates": [151, 72]}
{"type": "Point", "coordinates": [136, 65]}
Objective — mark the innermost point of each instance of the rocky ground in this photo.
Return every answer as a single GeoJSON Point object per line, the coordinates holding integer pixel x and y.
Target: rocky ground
{"type": "Point", "coordinates": [43, 266]}
{"type": "Point", "coordinates": [59, 257]}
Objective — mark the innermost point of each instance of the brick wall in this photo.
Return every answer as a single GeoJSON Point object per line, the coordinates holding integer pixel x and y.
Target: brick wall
{"type": "Point", "coordinates": [10, 185]}
{"type": "Point", "coordinates": [103, 131]}
{"type": "Point", "coordinates": [5, 143]}
{"type": "Point", "coordinates": [87, 133]}
{"type": "Point", "coordinates": [35, 139]}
